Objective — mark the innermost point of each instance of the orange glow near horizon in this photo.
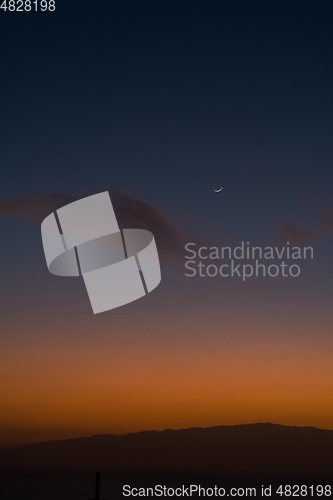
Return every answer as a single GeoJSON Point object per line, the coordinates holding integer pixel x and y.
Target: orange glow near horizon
{"type": "Point", "coordinates": [59, 389]}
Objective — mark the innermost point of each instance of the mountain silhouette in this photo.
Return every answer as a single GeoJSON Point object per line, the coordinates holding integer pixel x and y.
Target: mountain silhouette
{"type": "Point", "coordinates": [251, 448]}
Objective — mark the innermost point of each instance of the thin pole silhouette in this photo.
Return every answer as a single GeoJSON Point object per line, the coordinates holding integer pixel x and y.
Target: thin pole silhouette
{"type": "Point", "coordinates": [97, 484]}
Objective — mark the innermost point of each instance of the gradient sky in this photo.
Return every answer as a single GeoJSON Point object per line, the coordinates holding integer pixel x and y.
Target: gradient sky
{"type": "Point", "coordinates": [164, 103]}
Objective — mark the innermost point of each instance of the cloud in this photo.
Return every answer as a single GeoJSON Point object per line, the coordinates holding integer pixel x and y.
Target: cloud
{"type": "Point", "coordinates": [35, 208]}
{"type": "Point", "coordinates": [131, 213]}
{"type": "Point", "coordinates": [321, 226]}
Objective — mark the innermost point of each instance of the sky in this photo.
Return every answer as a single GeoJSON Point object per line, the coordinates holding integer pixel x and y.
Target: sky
{"type": "Point", "coordinates": [161, 103]}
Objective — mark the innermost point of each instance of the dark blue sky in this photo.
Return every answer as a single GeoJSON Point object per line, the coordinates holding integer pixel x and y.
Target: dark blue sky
{"type": "Point", "coordinates": [168, 101]}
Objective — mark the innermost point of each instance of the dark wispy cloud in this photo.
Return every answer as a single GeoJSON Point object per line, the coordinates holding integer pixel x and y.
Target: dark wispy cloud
{"type": "Point", "coordinates": [35, 208]}
{"type": "Point", "coordinates": [130, 212]}
{"type": "Point", "coordinates": [319, 226]}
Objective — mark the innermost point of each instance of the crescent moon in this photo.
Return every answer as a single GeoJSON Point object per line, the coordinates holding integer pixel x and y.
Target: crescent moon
{"type": "Point", "coordinates": [218, 190]}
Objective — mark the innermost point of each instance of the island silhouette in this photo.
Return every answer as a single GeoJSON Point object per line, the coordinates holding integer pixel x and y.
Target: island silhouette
{"type": "Point", "coordinates": [260, 449]}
